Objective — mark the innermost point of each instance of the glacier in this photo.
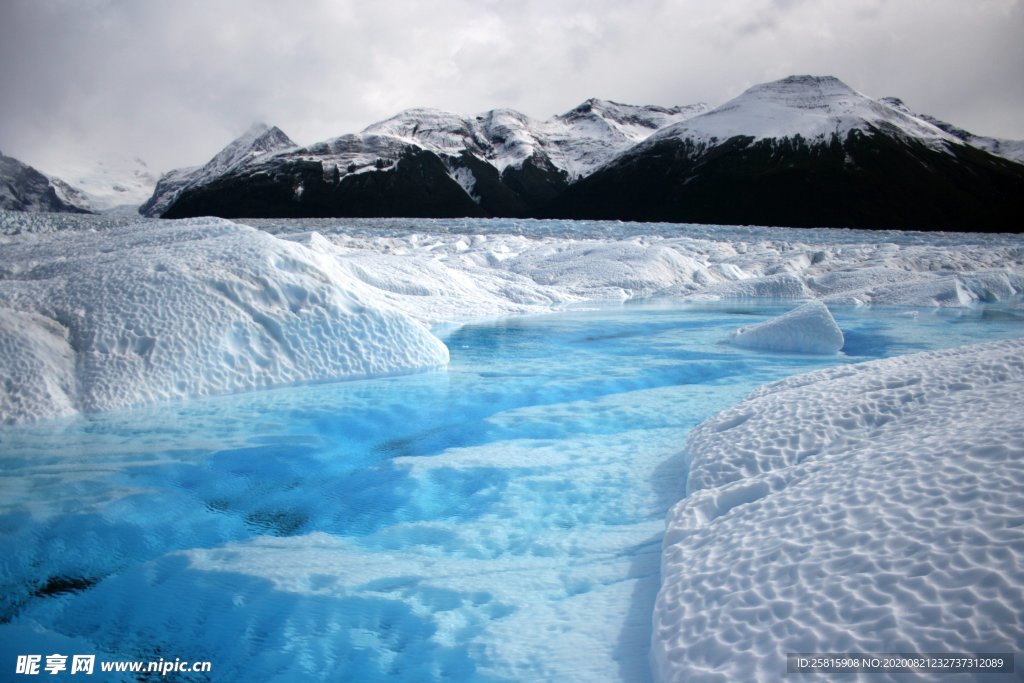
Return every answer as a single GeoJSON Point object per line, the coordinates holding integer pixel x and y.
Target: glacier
{"type": "Point", "coordinates": [105, 312]}
{"type": "Point", "coordinates": [506, 521]}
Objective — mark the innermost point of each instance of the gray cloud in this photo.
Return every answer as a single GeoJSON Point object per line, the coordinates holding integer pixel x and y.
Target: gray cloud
{"type": "Point", "coordinates": [173, 82]}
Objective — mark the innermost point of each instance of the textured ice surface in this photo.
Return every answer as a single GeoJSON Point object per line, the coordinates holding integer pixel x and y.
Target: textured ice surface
{"type": "Point", "coordinates": [155, 309]}
{"type": "Point", "coordinates": [876, 507]}
{"type": "Point", "coordinates": [454, 270]}
{"type": "Point", "coordinates": [809, 328]}
{"type": "Point", "coordinates": [93, 321]}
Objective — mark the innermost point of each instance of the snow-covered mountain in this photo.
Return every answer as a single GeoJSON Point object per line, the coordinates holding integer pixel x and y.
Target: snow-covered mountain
{"type": "Point", "coordinates": [500, 162]}
{"type": "Point", "coordinates": [259, 141]}
{"type": "Point", "coordinates": [804, 151]}
{"type": "Point", "coordinates": [815, 108]}
{"type": "Point", "coordinates": [575, 142]}
{"type": "Point", "coordinates": [801, 151]}
{"type": "Point", "coordinates": [23, 188]}
{"type": "Point", "coordinates": [1001, 147]}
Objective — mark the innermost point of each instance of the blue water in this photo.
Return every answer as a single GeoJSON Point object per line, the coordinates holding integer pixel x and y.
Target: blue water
{"type": "Point", "coordinates": [499, 520]}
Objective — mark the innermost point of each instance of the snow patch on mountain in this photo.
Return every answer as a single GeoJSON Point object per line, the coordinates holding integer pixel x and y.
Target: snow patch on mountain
{"type": "Point", "coordinates": [596, 131]}
{"type": "Point", "coordinates": [351, 153]}
{"type": "Point", "coordinates": [441, 132]}
{"type": "Point", "coordinates": [467, 181]}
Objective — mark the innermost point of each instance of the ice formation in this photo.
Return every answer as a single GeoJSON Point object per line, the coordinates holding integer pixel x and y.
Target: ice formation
{"type": "Point", "coordinates": [93, 321]}
{"type": "Point", "coordinates": [145, 310]}
{"type": "Point", "coordinates": [861, 508]}
{"type": "Point", "coordinates": [807, 329]}
{"type": "Point", "coordinates": [457, 270]}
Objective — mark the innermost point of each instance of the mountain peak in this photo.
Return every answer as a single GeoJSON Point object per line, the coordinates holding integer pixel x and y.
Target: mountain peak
{"type": "Point", "coordinates": [810, 81]}
{"type": "Point", "coordinates": [256, 129]}
{"type": "Point", "coordinates": [257, 140]}
{"type": "Point", "coordinates": [804, 92]}
{"type": "Point", "coordinates": [595, 106]}
{"type": "Point", "coordinates": [589, 105]}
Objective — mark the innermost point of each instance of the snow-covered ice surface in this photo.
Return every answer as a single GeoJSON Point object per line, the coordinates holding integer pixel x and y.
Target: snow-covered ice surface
{"type": "Point", "coordinates": [151, 310]}
{"type": "Point", "coordinates": [502, 519]}
{"type": "Point", "coordinates": [810, 328]}
{"type": "Point", "coordinates": [137, 314]}
{"type": "Point", "coordinates": [481, 268]}
{"type": "Point", "coordinates": [876, 507]}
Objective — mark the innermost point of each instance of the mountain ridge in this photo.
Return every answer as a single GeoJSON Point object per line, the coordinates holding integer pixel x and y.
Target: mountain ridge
{"type": "Point", "coordinates": [804, 151]}
{"type": "Point", "coordinates": [504, 161]}
{"type": "Point", "coordinates": [1002, 147]}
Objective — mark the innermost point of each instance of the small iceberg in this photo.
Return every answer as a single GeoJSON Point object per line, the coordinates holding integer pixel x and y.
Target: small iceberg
{"type": "Point", "coordinates": [807, 329]}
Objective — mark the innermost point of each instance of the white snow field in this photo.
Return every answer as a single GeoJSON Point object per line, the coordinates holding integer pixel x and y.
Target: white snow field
{"type": "Point", "coordinates": [809, 328]}
{"type": "Point", "coordinates": [875, 507]}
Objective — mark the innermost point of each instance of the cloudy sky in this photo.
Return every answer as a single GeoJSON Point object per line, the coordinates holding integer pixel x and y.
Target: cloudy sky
{"type": "Point", "coordinates": [172, 82]}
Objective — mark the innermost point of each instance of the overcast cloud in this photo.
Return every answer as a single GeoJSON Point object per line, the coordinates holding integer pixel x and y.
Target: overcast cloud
{"type": "Point", "coordinates": [172, 82]}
